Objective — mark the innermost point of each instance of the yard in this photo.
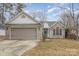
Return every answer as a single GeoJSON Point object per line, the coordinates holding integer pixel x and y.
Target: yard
{"type": "Point", "coordinates": [56, 47]}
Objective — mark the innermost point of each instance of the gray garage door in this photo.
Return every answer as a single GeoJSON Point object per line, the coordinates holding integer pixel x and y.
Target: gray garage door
{"type": "Point", "coordinates": [27, 34]}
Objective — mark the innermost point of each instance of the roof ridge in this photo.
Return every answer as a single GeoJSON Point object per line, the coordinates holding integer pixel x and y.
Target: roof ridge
{"type": "Point", "coordinates": [19, 15]}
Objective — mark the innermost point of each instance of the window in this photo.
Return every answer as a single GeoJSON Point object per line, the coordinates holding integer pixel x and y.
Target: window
{"type": "Point", "coordinates": [53, 31]}
{"type": "Point", "coordinates": [57, 31]}
{"type": "Point", "coordinates": [60, 31]}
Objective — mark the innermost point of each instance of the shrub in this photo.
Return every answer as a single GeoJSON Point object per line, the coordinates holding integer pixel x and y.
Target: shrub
{"type": "Point", "coordinates": [71, 36]}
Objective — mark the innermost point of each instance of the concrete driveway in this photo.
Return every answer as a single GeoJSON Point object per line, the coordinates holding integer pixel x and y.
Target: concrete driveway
{"type": "Point", "coordinates": [15, 47]}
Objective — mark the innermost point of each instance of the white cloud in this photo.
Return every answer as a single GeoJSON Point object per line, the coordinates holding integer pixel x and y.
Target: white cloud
{"type": "Point", "coordinates": [26, 10]}
{"type": "Point", "coordinates": [68, 8]}
{"type": "Point", "coordinates": [61, 4]}
{"type": "Point", "coordinates": [38, 19]}
{"type": "Point", "coordinates": [39, 10]}
{"type": "Point", "coordinates": [51, 10]}
{"type": "Point", "coordinates": [36, 11]}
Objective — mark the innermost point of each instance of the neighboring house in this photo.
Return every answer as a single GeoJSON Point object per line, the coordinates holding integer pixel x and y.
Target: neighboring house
{"type": "Point", "coordinates": [24, 27]}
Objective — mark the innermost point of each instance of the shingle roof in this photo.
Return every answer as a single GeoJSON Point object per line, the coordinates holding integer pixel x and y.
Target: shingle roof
{"type": "Point", "coordinates": [51, 22]}
{"type": "Point", "coordinates": [19, 15]}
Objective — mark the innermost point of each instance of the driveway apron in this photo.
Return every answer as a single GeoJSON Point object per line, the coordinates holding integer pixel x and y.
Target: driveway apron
{"type": "Point", "coordinates": [16, 47]}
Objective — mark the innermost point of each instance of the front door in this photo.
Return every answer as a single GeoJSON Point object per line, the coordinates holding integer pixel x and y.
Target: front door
{"type": "Point", "coordinates": [45, 35]}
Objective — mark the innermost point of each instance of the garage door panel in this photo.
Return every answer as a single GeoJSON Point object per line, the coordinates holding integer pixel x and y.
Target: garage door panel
{"type": "Point", "coordinates": [28, 34]}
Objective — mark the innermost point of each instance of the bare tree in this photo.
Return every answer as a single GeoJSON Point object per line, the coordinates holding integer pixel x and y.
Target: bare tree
{"type": "Point", "coordinates": [41, 16]}
{"type": "Point", "coordinates": [8, 8]}
{"type": "Point", "coordinates": [69, 19]}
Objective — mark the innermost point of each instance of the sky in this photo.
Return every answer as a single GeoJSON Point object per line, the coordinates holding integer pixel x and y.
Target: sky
{"type": "Point", "coordinates": [52, 9]}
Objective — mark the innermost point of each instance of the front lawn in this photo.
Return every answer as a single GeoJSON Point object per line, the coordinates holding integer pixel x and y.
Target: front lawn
{"type": "Point", "coordinates": [56, 47]}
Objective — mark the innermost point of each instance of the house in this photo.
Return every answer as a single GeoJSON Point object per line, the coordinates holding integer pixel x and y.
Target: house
{"type": "Point", "coordinates": [23, 26]}
{"type": "Point", "coordinates": [54, 29]}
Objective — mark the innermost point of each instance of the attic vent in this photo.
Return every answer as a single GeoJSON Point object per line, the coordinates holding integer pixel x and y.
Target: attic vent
{"type": "Point", "coordinates": [23, 16]}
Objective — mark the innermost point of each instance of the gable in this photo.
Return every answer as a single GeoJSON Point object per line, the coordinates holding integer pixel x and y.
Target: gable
{"type": "Point", "coordinates": [23, 18]}
{"type": "Point", "coordinates": [57, 24]}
